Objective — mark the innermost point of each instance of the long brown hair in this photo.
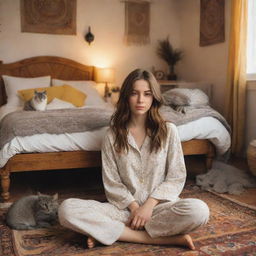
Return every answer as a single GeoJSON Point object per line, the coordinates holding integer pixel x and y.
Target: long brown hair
{"type": "Point", "coordinates": [155, 125]}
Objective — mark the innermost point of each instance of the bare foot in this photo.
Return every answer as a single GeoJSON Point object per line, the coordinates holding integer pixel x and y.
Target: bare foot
{"type": "Point", "coordinates": [186, 240]}
{"type": "Point", "coordinates": [91, 242]}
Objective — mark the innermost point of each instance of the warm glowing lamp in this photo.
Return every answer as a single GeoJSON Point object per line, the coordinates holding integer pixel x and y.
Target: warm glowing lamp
{"type": "Point", "coordinates": [105, 75]}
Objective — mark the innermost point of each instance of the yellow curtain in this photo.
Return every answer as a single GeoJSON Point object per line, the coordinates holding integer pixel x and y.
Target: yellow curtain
{"type": "Point", "coordinates": [236, 79]}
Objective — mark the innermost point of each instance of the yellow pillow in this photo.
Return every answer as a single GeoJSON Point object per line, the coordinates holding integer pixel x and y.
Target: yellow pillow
{"type": "Point", "coordinates": [73, 96]}
{"type": "Point", "coordinates": [63, 92]}
{"type": "Point", "coordinates": [52, 92]}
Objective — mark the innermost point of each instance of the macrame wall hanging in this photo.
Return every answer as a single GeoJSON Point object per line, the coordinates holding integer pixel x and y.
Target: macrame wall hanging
{"type": "Point", "coordinates": [137, 22]}
{"type": "Point", "coordinates": [48, 16]}
{"type": "Point", "coordinates": [212, 22]}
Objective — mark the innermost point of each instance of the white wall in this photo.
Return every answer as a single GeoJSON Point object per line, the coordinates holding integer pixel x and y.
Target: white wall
{"type": "Point", "coordinates": [208, 63]}
{"type": "Point", "coordinates": [106, 18]}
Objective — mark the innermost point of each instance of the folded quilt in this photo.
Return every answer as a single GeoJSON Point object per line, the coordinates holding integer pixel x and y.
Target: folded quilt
{"type": "Point", "coordinates": [28, 123]}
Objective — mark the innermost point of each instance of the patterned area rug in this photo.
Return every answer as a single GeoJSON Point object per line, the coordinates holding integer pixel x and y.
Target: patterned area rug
{"type": "Point", "coordinates": [230, 231]}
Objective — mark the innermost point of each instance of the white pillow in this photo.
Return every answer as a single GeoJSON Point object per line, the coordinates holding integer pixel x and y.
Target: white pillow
{"type": "Point", "coordinates": [13, 84]}
{"type": "Point", "coordinates": [185, 97]}
{"type": "Point", "coordinates": [87, 87]}
{"type": "Point", "coordinates": [6, 109]}
{"type": "Point", "coordinates": [59, 104]}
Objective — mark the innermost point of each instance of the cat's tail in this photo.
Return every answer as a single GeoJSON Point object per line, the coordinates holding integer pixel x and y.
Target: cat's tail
{"type": "Point", "coordinates": [18, 226]}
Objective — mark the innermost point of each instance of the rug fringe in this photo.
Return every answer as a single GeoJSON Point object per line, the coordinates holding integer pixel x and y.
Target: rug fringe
{"type": "Point", "coordinates": [234, 200]}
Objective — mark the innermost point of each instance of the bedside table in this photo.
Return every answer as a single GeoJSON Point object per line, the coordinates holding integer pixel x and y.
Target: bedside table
{"type": "Point", "coordinates": [166, 85]}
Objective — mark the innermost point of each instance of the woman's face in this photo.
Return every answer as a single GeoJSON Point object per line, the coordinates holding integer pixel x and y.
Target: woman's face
{"type": "Point", "coordinates": [141, 98]}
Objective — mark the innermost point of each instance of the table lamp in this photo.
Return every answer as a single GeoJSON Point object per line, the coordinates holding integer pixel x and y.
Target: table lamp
{"type": "Point", "coordinates": [105, 75]}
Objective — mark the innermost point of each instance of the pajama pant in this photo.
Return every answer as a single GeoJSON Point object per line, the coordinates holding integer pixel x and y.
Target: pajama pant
{"type": "Point", "coordinates": [105, 222]}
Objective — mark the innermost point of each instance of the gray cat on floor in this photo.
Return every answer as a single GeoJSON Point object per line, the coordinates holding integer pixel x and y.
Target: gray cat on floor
{"type": "Point", "coordinates": [38, 102]}
{"type": "Point", "coordinates": [31, 212]}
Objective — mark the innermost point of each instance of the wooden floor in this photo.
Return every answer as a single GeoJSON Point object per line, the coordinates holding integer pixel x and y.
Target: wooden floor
{"type": "Point", "coordinates": [74, 182]}
{"type": "Point", "coordinates": [249, 196]}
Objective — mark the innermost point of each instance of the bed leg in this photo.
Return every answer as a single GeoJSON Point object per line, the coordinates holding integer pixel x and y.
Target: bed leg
{"type": "Point", "coordinates": [5, 183]}
{"type": "Point", "coordinates": [209, 157]}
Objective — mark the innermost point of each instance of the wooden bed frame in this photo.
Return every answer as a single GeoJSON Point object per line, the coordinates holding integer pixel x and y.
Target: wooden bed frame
{"type": "Point", "coordinates": [65, 69]}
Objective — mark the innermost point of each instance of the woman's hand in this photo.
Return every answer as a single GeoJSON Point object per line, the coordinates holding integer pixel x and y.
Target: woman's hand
{"type": "Point", "coordinates": [133, 206]}
{"type": "Point", "coordinates": [141, 215]}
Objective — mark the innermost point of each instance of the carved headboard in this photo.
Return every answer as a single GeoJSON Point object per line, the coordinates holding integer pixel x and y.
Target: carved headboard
{"type": "Point", "coordinates": [56, 67]}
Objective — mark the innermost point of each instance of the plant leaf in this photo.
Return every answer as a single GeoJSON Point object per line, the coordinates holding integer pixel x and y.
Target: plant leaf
{"type": "Point", "coordinates": [166, 52]}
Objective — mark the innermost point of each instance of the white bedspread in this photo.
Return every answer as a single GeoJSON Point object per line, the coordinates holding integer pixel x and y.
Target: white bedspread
{"type": "Point", "coordinates": [204, 128]}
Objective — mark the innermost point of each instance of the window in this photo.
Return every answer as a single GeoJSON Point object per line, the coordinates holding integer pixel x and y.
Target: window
{"type": "Point", "coordinates": [251, 40]}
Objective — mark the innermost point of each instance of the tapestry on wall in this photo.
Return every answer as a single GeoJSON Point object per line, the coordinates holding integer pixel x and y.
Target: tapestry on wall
{"type": "Point", "coordinates": [137, 21]}
{"type": "Point", "coordinates": [212, 22]}
{"type": "Point", "coordinates": [48, 16]}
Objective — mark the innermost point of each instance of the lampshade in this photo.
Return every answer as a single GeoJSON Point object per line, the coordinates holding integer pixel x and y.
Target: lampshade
{"type": "Point", "coordinates": [104, 75]}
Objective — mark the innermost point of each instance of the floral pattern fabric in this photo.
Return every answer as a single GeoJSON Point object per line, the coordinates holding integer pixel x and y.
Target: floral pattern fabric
{"type": "Point", "coordinates": [140, 174]}
{"type": "Point", "coordinates": [137, 175]}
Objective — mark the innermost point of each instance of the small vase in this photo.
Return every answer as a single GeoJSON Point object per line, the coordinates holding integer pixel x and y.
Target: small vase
{"type": "Point", "coordinates": [171, 75]}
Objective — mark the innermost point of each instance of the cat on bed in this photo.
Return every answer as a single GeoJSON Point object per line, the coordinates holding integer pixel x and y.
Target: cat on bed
{"type": "Point", "coordinates": [31, 212]}
{"type": "Point", "coordinates": [38, 102]}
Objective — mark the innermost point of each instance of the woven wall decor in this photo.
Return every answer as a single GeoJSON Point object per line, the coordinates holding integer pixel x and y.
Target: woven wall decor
{"type": "Point", "coordinates": [212, 22]}
{"type": "Point", "coordinates": [48, 16]}
{"type": "Point", "coordinates": [137, 22]}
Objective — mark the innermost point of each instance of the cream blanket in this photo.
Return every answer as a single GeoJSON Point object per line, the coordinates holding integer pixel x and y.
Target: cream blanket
{"type": "Point", "coordinates": [27, 123]}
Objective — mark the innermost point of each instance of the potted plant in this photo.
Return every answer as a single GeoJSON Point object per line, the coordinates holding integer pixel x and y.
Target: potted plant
{"type": "Point", "coordinates": [170, 55]}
